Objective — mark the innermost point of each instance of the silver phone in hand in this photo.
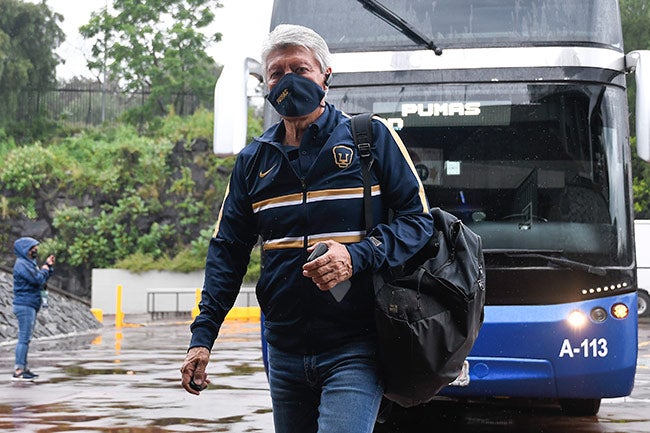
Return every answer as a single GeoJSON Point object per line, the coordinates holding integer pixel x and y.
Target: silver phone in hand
{"type": "Point", "coordinates": [338, 291]}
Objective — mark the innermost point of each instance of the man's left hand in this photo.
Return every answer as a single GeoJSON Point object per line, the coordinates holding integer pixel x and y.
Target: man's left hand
{"type": "Point", "coordinates": [330, 269]}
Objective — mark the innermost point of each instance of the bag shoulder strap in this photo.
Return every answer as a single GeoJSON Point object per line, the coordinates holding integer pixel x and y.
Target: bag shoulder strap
{"type": "Point", "coordinates": [361, 125]}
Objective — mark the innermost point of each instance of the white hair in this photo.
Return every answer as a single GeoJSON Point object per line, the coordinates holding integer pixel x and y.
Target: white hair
{"type": "Point", "coordinates": [291, 35]}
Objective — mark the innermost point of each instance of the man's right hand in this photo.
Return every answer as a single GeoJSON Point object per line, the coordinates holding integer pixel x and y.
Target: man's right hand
{"type": "Point", "coordinates": [193, 368]}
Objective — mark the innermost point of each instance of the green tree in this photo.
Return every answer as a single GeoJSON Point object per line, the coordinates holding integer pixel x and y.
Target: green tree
{"type": "Point", "coordinates": [635, 18]}
{"type": "Point", "coordinates": [641, 180]}
{"type": "Point", "coordinates": [156, 46]}
{"type": "Point", "coordinates": [29, 35]}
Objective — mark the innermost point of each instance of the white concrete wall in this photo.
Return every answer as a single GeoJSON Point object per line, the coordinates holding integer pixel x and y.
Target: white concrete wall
{"type": "Point", "coordinates": [642, 242]}
{"type": "Point", "coordinates": [135, 286]}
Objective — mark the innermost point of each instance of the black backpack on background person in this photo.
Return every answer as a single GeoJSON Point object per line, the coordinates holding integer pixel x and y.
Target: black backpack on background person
{"type": "Point", "coordinates": [428, 312]}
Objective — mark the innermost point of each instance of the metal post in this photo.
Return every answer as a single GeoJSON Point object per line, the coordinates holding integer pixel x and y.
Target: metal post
{"type": "Point", "coordinates": [196, 310]}
{"type": "Point", "coordinates": [119, 315]}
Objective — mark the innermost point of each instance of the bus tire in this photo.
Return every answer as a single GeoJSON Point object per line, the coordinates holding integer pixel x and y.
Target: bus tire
{"type": "Point", "coordinates": [580, 406]}
{"type": "Point", "coordinates": [644, 299]}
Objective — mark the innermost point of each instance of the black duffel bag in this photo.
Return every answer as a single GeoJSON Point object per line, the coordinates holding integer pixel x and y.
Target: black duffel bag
{"type": "Point", "coordinates": [429, 311]}
{"type": "Point", "coordinates": [429, 315]}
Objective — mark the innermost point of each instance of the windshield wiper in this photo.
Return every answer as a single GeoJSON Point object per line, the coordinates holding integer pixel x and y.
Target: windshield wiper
{"type": "Point", "coordinates": [567, 263]}
{"type": "Point", "coordinates": [400, 24]}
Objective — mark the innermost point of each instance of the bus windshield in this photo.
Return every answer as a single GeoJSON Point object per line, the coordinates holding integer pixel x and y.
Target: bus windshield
{"type": "Point", "coordinates": [458, 23]}
{"type": "Point", "coordinates": [529, 167]}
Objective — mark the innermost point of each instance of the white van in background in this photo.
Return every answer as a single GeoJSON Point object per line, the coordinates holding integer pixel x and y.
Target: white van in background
{"type": "Point", "coordinates": [642, 241]}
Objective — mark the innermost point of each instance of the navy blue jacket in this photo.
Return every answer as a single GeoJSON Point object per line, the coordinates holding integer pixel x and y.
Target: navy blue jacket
{"type": "Point", "coordinates": [29, 279]}
{"type": "Point", "coordinates": [290, 209]}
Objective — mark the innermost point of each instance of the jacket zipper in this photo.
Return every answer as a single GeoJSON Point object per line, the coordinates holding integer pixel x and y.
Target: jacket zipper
{"type": "Point", "coordinates": [305, 242]}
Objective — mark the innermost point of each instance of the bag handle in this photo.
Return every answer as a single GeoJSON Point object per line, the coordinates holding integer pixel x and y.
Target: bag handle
{"type": "Point", "coordinates": [361, 125]}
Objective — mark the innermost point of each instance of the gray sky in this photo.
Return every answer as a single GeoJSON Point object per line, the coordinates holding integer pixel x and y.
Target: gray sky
{"type": "Point", "coordinates": [243, 23]}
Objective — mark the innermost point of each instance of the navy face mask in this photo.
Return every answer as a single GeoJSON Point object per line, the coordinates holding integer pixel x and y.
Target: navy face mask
{"type": "Point", "coordinates": [295, 96]}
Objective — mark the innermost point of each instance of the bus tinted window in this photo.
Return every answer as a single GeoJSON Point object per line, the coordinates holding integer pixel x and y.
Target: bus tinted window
{"type": "Point", "coordinates": [347, 26]}
{"type": "Point", "coordinates": [530, 166]}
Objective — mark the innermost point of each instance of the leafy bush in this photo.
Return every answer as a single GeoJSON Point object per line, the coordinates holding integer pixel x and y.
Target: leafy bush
{"type": "Point", "coordinates": [176, 128]}
{"type": "Point", "coordinates": [114, 197]}
{"type": "Point", "coordinates": [26, 169]}
{"type": "Point", "coordinates": [29, 176]}
{"type": "Point", "coordinates": [7, 143]}
{"type": "Point", "coordinates": [189, 259]}
{"type": "Point", "coordinates": [641, 186]}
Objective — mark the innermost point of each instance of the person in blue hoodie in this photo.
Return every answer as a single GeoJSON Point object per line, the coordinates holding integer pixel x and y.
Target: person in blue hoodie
{"type": "Point", "coordinates": [29, 281]}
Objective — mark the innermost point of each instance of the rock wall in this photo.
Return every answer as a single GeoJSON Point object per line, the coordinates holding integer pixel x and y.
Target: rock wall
{"type": "Point", "coordinates": [64, 316]}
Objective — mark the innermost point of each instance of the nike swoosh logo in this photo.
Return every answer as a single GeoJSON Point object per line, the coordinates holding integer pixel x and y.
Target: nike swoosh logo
{"type": "Point", "coordinates": [264, 173]}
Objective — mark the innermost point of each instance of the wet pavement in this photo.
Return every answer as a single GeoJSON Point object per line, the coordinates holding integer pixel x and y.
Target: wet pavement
{"type": "Point", "coordinates": [128, 382]}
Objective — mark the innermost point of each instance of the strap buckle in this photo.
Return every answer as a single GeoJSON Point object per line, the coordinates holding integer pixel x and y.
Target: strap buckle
{"type": "Point", "coordinates": [364, 149]}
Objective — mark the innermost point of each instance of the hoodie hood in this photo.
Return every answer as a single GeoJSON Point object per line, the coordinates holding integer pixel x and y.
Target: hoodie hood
{"type": "Point", "coordinates": [23, 245]}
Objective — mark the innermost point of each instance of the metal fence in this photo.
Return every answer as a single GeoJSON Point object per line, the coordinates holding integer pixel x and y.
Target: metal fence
{"type": "Point", "coordinates": [92, 105]}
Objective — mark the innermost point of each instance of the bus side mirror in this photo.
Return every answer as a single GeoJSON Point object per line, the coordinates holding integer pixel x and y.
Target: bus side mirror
{"type": "Point", "coordinates": [639, 62]}
{"type": "Point", "coordinates": [231, 105]}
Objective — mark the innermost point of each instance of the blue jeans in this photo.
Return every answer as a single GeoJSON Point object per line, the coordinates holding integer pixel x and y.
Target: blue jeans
{"type": "Point", "coordinates": [338, 391]}
{"type": "Point", "coordinates": [26, 321]}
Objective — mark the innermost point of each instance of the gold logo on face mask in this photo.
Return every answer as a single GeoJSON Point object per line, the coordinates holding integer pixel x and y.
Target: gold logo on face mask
{"type": "Point", "coordinates": [283, 95]}
{"type": "Point", "coordinates": [342, 156]}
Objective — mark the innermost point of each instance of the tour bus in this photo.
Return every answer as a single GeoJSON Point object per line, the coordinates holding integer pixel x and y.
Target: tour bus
{"type": "Point", "coordinates": [515, 115]}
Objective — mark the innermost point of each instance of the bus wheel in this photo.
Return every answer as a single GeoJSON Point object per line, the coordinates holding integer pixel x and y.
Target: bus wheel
{"type": "Point", "coordinates": [644, 299]}
{"type": "Point", "coordinates": [580, 406]}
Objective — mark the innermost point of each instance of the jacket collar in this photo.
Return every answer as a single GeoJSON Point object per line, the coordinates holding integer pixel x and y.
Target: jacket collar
{"type": "Point", "coordinates": [321, 127]}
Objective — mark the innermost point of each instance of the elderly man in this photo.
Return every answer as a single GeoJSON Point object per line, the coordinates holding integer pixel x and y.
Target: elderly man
{"type": "Point", "coordinates": [297, 186]}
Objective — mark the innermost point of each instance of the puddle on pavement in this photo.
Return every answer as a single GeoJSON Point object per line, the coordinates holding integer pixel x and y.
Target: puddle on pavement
{"type": "Point", "coordinates": [60, 419]}
{"type": "Point", "coordinates": [76, 342]}
{"type": "Point", "coordinates": [5, 409]}
{"type": "Point", "coordinates": [165, 422]}
{"type": "Point", "coordinates": [624, 421]}
{"type": "Point", "coordinates": [243, 369]}
{"type": "Point", "coordinates": [79, 371]}
{"type": "Point", "coordinates": [230, 420]}
{"type": "Point", "coordinates": [71, 428]}
{"type": "Point", "coordinates": [263, 411]}
{"type": "Point", "coordinates": [47, 408]}
{"type": "Point", "coordinates": [221, 387]}
{"type": "Point", "coordinates": [53, 418]}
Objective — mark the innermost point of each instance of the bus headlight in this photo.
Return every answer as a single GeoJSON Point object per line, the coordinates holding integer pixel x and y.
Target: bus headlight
{"type": "Point", "coordinates": [620, 311]}
{"type": "Point", "coordinates": [577, 319]}
{"type": "Point", "coordinates": [598, 314]}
